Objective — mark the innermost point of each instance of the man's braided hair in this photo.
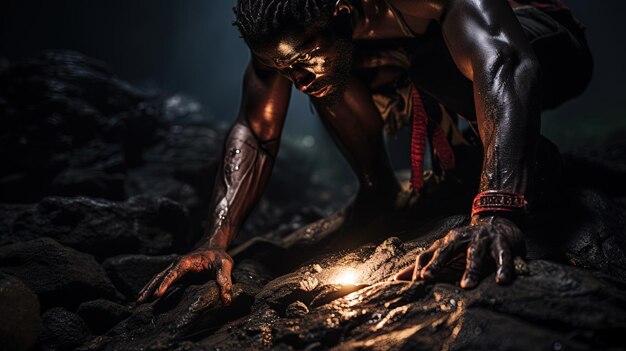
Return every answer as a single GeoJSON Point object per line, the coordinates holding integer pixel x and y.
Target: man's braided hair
{"type": "Point", "coordinates": [256, 19]}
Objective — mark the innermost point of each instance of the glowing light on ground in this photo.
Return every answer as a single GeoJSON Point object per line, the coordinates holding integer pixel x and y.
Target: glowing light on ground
{"type": "Point", "coordinates": [347, 276]}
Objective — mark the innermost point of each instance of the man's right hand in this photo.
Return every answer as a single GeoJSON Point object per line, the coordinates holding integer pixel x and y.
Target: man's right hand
{"type": "Point", "coordinates": [199, 260]}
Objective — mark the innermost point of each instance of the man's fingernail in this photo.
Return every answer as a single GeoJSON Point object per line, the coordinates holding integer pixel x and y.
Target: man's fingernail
{"type": "Point", "coordinates": [467, 282]}
{"type": "Point", "coordinates": [227, 299]}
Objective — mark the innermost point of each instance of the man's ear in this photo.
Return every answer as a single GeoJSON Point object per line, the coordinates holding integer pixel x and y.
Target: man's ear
{"type": "Point", "coordinates": [342, 7]}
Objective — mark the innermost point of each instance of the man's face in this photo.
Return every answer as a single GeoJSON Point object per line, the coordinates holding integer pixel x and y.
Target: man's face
{"type": "Point", "coordinates": [316, 61]}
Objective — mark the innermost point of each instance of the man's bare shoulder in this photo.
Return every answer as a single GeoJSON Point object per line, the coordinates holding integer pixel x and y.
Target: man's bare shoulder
{"type": "Point", "coordinates": [383, 19]}
{"type": "Point", "coordinates": [425, 9]}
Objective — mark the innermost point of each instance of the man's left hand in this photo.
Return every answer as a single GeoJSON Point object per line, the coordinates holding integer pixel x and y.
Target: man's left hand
{"type": "Point", "coordinates": [497, 235]}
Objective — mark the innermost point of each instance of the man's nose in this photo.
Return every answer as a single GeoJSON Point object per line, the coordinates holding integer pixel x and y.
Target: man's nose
{"type": "Point", "coordinates": [301, 77]}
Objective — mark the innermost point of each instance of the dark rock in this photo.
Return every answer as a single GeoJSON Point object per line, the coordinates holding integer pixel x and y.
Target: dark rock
{"type": "Point", "coordinates": [73, 128]}
{"type": "Point", "coordinates": [187, 156]}
{"type": "Point", "coordinates": [129, 273]}
{"type": "Point", "coordinates": [554, 304]}
{"type": "Point", "coordinates": [188, 312]}
{"type": "Point", "coordinates": [8, 214]}
{"type": "Point", "coordinates": [181, 167]}
{"type": "Point", "coordinates": [296, 309]}
{"type": "Point", "coordinates": [104, 228]}
{"type": "Point", "coordinates": [597, 238]}
{"type": "Point", "coordinates": [101, 315]}
{"type": "Point", "coordinates": [601, 166]}
{"type": "Point", "coordinates": [92, 182]}
{"type": "Point", "coordinates": [59, 275]}
{"type": "Point", "coordinates": [63, 330]}
{"type": "Point", "coordinates": [585, 230]}
{"type": "Point", "coordinates": [58, 102]}
{"type": "Point", "coordinates": [19, 308]}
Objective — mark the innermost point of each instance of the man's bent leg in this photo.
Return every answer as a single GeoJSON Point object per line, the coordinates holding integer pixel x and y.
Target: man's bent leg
{"type": "Point", "coordinates": [357, 128]}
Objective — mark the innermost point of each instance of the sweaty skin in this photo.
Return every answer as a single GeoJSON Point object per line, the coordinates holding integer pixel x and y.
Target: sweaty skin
{"type": "Point", "coordinates": [494, 80]}
{"type": "Point", "coordinates": [249, 152]}
{"type": "Point", "coordinates": [489, 48]}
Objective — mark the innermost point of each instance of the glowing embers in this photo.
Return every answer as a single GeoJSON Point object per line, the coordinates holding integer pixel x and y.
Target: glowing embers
{"type": "Point", "coordinates": [347, 276]}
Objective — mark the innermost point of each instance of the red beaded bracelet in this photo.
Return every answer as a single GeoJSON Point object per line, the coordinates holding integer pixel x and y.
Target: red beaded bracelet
{"type": "Point", "coordinates": [498, 201]}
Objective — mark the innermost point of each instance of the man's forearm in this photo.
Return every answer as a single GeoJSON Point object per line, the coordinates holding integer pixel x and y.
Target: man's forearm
{"type": "Point", "coordinates": [508, 107]}
{"type": "Point", "coordinates": [240, 181]}
{"type": "Point", "coordinates": [490, 48]}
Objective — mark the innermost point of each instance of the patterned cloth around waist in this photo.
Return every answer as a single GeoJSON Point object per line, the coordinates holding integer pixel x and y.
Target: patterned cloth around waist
{"type": "Point", "coordinates": [400, 103]}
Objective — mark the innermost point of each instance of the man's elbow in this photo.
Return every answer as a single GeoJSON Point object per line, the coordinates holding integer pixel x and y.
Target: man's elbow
{"type": "Point", "coordinates": [511, 72]}
{"type": "Point", "coordinates": [505, 60]}
{"type": "Point", "coordinates": [528, 68]}
{"type": "Point", "coordinates": [264, 129]}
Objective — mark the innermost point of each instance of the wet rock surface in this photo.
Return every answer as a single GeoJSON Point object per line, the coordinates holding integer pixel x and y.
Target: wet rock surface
{"type": "Point", "coordinates": [103, 185]}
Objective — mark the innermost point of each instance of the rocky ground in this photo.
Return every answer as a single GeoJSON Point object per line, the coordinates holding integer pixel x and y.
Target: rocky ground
{"type": "Point", "coordinates": [103, 185]}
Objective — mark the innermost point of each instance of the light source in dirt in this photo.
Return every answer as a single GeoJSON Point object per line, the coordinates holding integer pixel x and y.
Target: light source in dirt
{"type": "Point", "coordinates": [347, 276]}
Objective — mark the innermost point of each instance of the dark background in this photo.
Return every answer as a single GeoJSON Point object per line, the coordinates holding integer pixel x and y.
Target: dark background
{"type": "Point", "coordinates": [190, 47]}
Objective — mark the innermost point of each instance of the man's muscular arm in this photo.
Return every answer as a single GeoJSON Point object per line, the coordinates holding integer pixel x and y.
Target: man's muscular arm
{"type": "Point", "coordinates": [249, 152]}
{"type": "Point", "coordinates": [489, 47]}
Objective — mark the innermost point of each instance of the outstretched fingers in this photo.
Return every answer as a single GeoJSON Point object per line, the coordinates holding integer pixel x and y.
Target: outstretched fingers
{"type": "Point", "coordinates": [449, 247]}
{"type": "Point", "coordinates": [223, 277]}
{"type": "Point", "coordinates": [422, 259]}
{"type": "Point", "coordinates": [200, 261]}
{"type": "Point", "coordinates": [475, 255]}
{"type": "Point", "coordinates": [405, 274]}
{"type": "Point", "coordinates": [501, 253]}
{"type": "Point", "coordinates": [412, 271]}
{"type": "Point", "coordinates": [149, 288]}
{"type": "Point", "coordinates": [173, 274]}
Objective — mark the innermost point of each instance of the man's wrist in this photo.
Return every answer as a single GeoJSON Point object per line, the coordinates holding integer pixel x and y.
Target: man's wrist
{"type": "Point", "coordinates": [219, 240]}
{"type": "Point", "coordinates": [498, 201]}
{"type": "Point", "coordinates": [491, 204]}
{"type": "Point", "coordinates": [214, 241]}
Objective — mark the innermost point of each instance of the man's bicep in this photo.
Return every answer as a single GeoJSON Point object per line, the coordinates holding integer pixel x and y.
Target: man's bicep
{"type": "Point", "coordinates": [264, 101]}
{"type": "Point", "coordinates": [481, 34]}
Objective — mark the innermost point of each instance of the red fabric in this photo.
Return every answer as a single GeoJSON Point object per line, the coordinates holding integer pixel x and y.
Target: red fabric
{"type": "Point", "coordinates": [441, 147]}
{"type": "Point", "coordinates": [418, 141]}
